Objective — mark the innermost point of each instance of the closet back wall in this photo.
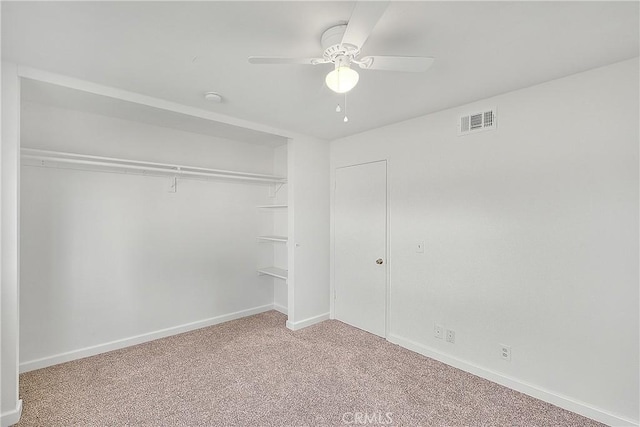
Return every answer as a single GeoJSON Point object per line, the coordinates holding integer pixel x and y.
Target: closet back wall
{"type": "Point", "coordinates": [108, 257]}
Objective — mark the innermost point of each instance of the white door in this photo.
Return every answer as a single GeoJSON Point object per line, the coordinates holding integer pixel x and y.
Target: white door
{"type": "Point", "coordinates": [360, 264]}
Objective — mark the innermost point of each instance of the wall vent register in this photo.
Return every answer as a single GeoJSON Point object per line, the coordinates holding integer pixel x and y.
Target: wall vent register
{"type": "Point", "coordinates": [477, 122]}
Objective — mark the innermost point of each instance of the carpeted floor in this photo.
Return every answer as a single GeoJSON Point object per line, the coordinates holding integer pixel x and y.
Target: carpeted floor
{"type": "Point", "coordinates": [255, 372]}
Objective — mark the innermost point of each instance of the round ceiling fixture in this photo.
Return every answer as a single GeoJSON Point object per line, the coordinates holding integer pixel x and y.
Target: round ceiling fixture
{"type": "Point", "coordinates": [343, 78]}
{"type": "Point", "coordinates": [213, 97]}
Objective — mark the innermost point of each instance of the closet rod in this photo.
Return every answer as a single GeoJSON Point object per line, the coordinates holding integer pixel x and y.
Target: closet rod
{"type": "Point", "coordinates": [163, 169]}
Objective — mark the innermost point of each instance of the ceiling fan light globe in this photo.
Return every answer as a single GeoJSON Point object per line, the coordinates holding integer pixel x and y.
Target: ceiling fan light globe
{"type": "Point", "coordinates": [342, 79]}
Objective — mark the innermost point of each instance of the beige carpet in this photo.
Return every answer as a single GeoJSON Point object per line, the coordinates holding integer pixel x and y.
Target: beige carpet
{"type": "Point", "coordinates": [255, 372]}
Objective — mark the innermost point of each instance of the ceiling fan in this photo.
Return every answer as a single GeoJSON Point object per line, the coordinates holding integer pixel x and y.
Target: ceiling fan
{"type": "Point", "coordinates": [342, 45]}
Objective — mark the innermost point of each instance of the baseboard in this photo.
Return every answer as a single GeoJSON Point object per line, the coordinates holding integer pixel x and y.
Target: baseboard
{"type": "Point", "coordinates": [294, 326]}
{"type": "Point", "coordinates": [564, 402]}
{"type": "Point", "coordinates": [138, 339]}
{"type": "Point", "coordinates": [12, 417]}
{"type": "Point", "coordinates": [281, 308]}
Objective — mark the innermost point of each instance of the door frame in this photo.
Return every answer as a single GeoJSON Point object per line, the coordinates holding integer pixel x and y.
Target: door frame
{"type": "Point", "coordinates": [332, 283]}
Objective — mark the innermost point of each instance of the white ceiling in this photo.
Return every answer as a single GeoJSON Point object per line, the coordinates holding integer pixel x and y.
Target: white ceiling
{"type": "Point", "coordinates": [179, 50]}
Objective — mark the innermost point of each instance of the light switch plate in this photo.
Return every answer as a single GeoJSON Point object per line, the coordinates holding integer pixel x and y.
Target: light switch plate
{"type": "Point", "coordinates": [420, 247]}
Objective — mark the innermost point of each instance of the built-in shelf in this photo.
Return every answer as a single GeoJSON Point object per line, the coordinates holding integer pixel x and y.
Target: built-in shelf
{"type": "Point", "coordinates": [274, 272]}
{"type": "Point", "coordinates": [272, 206]}
{"type": "Point", "coordinates": [282, 239]}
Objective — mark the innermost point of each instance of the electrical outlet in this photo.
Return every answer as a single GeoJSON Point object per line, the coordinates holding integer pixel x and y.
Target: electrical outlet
{"type": "Point", "coordinates": [420, 247]}
{"type": "Point", "coordinates": [451, 336]}
{"type": "Point", "coordinates": [505, 352]}
{"type": "Point", "coordinates": [438, 331]}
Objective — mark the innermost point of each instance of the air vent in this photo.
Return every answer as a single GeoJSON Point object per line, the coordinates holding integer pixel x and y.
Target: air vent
{"type": "Point", "coordinates": [464, 124]}
{"type": "Point", "coordinates": [488, 119]}
{"type": "Point", "coordinates": [477, 122]}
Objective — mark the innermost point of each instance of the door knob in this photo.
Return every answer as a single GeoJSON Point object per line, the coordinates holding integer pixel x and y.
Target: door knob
{"type": "Point", "coordinates": [379, 261]}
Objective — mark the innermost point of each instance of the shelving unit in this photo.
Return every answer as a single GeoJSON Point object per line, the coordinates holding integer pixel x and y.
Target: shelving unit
{"type": "Point", "coordinates": [273, 272]}
{"type": "Point", "coordinates": [279, 239]}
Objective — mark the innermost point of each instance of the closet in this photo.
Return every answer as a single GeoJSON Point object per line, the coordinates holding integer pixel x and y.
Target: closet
{"type": "Point", "coordinates": [142, 218]}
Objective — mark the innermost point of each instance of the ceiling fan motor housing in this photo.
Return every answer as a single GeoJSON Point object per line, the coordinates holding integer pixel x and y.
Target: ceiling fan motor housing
{"type": "Point", "coordinates": [332, 44]}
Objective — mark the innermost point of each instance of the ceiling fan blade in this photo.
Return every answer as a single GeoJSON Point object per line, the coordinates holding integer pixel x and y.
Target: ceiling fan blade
{"type": "Point", "coordinates": [365, 16]}
{"type": "Point", "coordinates": [279, 60]}
{"type": "Point", "coordinates": [415, 64]}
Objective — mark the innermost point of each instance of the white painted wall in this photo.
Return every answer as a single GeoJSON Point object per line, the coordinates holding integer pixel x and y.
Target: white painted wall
{"type": "Point", "coordinates": [77, 131]}
{"type": "Point", "coordinates": [308, 178]}
{"type": "Point", "coordinates": [531, 236]}
{"type": "Point", "coordinates": [10, 405]}
{"type": "Point", "coordinates": [107, 257]}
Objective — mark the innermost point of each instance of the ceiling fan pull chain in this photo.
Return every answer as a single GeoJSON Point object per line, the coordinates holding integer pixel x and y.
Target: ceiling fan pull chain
{"type": "Point", "coordinates": [346, 119]}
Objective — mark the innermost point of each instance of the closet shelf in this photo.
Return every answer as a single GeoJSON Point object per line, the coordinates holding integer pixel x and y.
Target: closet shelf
{"type": "Point", "coordinates": [34, 157]}
{"type": "Point", "coordinates": [282, 239]}
{"type": "Point", "coordinates": [272, 206]}
{"type": "Point", "coordinates": [274, 272]}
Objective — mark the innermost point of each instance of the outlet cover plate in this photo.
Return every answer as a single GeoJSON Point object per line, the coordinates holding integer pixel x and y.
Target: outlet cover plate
{"type": "Point", "coordinates": [438, 331]}
{"type": "Point", "coordinates": [451, 336]}
{"type": "Point", "coordinates": [505, 352]}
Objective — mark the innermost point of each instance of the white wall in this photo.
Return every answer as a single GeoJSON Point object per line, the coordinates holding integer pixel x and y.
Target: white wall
{"type": "Point", "coordinates": [76, 131]}
{"type": "Point", "coordinates": [107, 257]}
{"type": "Point", "coordinates": [10, 405]}
{"type": "Point", "coordinates": [308, 178]}
{"type": "Point", "coordinates": [531, 236]}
